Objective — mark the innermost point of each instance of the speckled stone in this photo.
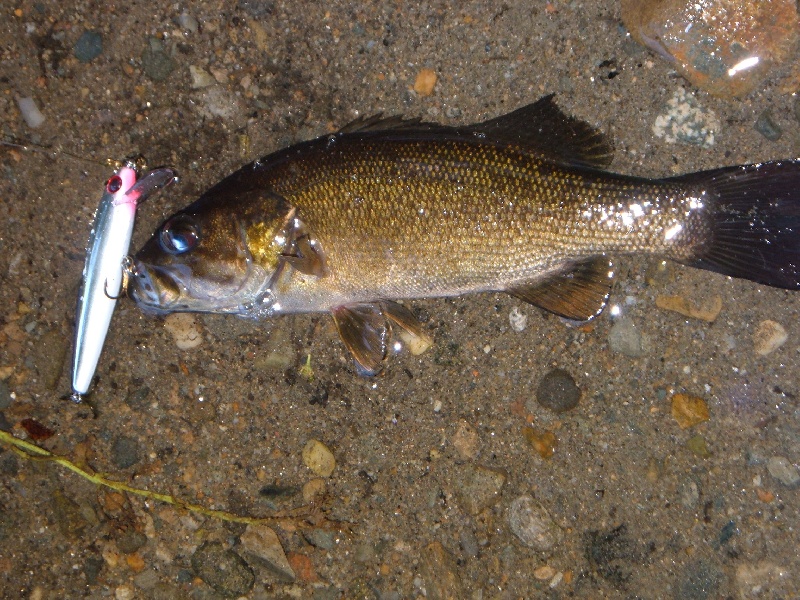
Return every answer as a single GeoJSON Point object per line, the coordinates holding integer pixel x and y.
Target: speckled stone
{"type": "Point", "coordinates": [532, 524]}
{"type": "Point", "coordinates": [558, 391]}
{"type": "Point", "coordinates": [784, 471]}
{"type": "Point", "coordinates": [477, 487]}
{"type": "Point", "coordinates": [125, 452]}
{"type": "Point", "coordinates": [89, 46]}
{"type": "Point", "coordinates": [223, 570]}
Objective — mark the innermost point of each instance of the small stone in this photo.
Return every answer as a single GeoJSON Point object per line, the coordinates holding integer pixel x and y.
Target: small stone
{"type": "Point", "coordinates": [303, 567]}
{"type": "Point", "coordinates": [784, 471]}
{"type": "Point", "coordinates": [124, 592]}
{"type": "Point", "coordinates": [686, 122]}
{"type": "Point", "coordinates": [544, 573]}
{"type": "Point", "coordinates": [477, 487]}
{"type": "Point", "coordinates": [89, 46]}
{"type": "Point", "coordinates": [125, 452]}
{"type": "Point", "coordinates": [184, 330]}
{"type": "Point", "coordinates": [624, 337]}
{"type": "Point", "coordinates": [532, 524]}
{"type": "Point", "coordinates": [440, 573]}
{"type": "Point", "coordinates": [146, 580]}
{"type": "Point", "coordinates": [688, 410]}
{"type": "Point", "coordinates": [200, 78]}
{"type": "Point", "coordinates": [768, 337]}
{"type": "Point", "coordinates": [156, 63]}
{"type": "Point", "coordinates": [767, 126]}
{"type": "Point", "coordinates": [222, 569]}
{"type": "Point", "coordinates": [261, 543]}
{"type": "Point", "coordinates": [707, 311]}
{"type": "Point", "coordinates": [130, 541]}
{"type": "Point", "coordinates": [318, 458]}
{"type": "Point", "coordinates": [217, 102]}
{"type": "Point", "coordinates": [765, 580]}
{"type": "Point", "coordinates": [466, 441]}
{"type": "Point", "coordinates": [320, 538]}
{"type": "Point", "coordinates": [518, 320]}
{"type": "Point", "coordinates": [31, 114]}
{"type": "Point", "coordinates": [67, 515]}
{"type": "Point", "coordinates": [558, 391]}
{"type": "Point", "coordinates": [414, 343]}
{"type": "Point", "coordinates": [690, 494]}
{"type": "Point", "coordinates": [544, 442]}
{"type": "Point", "coordinates": [188, 22]}
{"type": "Point", "coordinates": [697, 445]}
{"type": "Point", "coordinates": [425, 82]}
{"type": "Point", "coordinates": [92, 568]}
{"type": "Point", "coordinates": [5, 395]}
{"type": "Point", "coordinates": [314, 490]}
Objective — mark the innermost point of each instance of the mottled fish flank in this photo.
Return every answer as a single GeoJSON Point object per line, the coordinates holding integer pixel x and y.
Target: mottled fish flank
{"type": "Point", "coordinates": [391, 209]}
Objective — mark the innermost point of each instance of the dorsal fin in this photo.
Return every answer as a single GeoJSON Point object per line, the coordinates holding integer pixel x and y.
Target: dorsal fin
{"type": "Point", "coordinates": [543, 127]}
{"type": "Point", "coordinates": [540, 127]}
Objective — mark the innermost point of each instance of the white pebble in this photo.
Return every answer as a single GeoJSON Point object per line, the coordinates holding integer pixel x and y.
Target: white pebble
{"type": "Point", "coordinates": [768, 337]}
{"type": "Point", "coordinates": [518, 320]}
{"type": "Point", "coordinates": [184, 330]}
{"type": "Point", "coordinates": [30, 112]}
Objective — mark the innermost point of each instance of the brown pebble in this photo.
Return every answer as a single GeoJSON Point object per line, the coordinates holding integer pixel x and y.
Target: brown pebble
{"type": "Point", "coordinates": [425, 82]}
{"type": "Point", "coordinates": [544, 442]}
{"type": "Point", "coordinates": [689, 410]}
{"type": "Point", "coordinates": [708, 311]}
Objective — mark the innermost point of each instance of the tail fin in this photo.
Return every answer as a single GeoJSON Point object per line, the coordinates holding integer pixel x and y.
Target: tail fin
{"type": "Point", "coordinates": [754, 221]}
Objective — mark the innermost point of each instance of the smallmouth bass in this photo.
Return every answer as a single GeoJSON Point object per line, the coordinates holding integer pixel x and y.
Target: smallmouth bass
{"type": "Point", "coordinates": [390, 209]}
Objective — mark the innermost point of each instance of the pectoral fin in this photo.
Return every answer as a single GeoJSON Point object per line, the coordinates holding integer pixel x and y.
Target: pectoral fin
{"type": "Point", "coordinates": [579, 293]}
{"type": "Point", "coordinates": [366, 330]}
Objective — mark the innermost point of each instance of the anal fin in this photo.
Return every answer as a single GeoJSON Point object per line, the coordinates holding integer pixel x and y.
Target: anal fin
{"type": "Point", "coordinates": [579, 293]}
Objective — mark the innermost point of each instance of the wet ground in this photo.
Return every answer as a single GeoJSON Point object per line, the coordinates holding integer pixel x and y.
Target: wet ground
{"type": "Point", "coordinates": [443, 484]}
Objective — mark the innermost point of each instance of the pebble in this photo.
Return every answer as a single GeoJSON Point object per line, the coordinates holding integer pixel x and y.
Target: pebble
{"type": "Point", "coordinates": [318, 458]}
{"type": "Point", "coordinates": [222, 569]}
{"type": "Point", "coordinates": [518, 320]}
{"type": "Point", "coordinates": [558, 391]}
{"type": "Point", "coordinates": [261, 544]}
{"type": "Point", "coordinates": [767, 126]}
{"type": "Point", "coordinates": [686, 122]}
{"type": "Point", "coordinates": [707, 311]}
{"type": "Point", "coordinates": [184, 330]}
{"type": "Point", "coordinates": [697, 445]}
{"type": "Point", "coordinates": [713, 43]}
{"type": "Point", "coordinates": [313, 490]}
{"type": "Point", "coordinates": [688, 410]}
{"type": "Point", "coordinates": [425, 82]}
{"type": "Point", "coordinates": [690, 494]}
{"type": "Point", "coordinates": [532, 524]}
{"type": "Point", "coordinates": [146, 580]}
{"type": "Point", "coordinates": [200, 78]}
{"type": "Point", "coordinates": [784, 471]}
{"type": "Point", "coordinates": [89, 46]}
{"type": "Point", "coordinates": [768, 337]}
{"type": "Point", "coordinates": [320, 538]}
{"type": "Point", "coordinates": [440, 573]}
{"type": "Point", "coordinates": [67, 514]}
{"type": "Point", "coordinates": [217, 102]}
{"type": "Point", "coordinates": [466, 441]}
{"type": "Point", "coordinates": [30, 112]}
{"type": "Point", "coordinates": [188, 22]}
{"type": "Point", "coordinates": [125, 452]}
{"type": "Point", "coordinates": [765, 580]}
{"type": "Point", "coordinates": [625, 338]}
{"type": "Point", "coordinates": [5, 395]}
{"type": "Point", "coordinates": [92, 568]}
{"type": "Point", "coordinates": [699, 581]}
{"type": "Point", "coordinates": [130, 541]}
{"type": "Point", "coordinates": [156, 63]}
{"type": "Point", "coordinates": [544, 442]}
{"type": "Point", "coordinates": [477, 487]}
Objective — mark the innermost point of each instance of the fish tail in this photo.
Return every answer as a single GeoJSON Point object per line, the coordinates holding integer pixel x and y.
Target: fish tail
{"type": "Point", "coordinates": [754, 222]}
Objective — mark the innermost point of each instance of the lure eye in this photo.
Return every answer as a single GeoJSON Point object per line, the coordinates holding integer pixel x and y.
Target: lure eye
{"type": "Point", "coordinates": [179, 235]}
{"type": "Point", "coordinates": [114, 184]}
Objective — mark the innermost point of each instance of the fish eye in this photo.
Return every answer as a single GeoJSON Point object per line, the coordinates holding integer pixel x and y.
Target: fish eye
{"type": "Point", "coordinates": [179, 235]}
{"type": "Point", "coordinates": [114, 184]}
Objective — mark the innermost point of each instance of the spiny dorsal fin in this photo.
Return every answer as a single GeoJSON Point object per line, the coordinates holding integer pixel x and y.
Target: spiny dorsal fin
{"type": "Point", "coordinates": [540, 127]}
{"type": "Point", "coordinates": [579, 293]}
{"type": "Point", "coordinates": [543, 127]}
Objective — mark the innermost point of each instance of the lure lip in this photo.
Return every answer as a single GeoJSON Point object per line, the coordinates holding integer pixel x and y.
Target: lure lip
{"type": "Point", "coordinates": [103, 272]}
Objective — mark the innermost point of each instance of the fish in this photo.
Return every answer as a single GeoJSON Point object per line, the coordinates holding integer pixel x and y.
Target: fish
{"type": "Point", "coordinates": [103, 270]}
{"type": "Point", "coordinates": [390, 209]}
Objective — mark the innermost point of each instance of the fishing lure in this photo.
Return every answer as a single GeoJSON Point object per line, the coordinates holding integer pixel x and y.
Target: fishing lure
{"type": "Point", "coordinates": [103, 275]}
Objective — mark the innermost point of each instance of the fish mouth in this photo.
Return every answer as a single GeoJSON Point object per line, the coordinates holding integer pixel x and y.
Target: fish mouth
{"type": "Point", "coordinates": [153, 288]}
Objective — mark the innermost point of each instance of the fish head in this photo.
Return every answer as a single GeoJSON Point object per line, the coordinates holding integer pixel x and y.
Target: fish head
{"type": "Point", "coordinates": [209, 259]}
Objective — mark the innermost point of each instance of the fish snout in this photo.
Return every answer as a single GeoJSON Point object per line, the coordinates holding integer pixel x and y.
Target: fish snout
{"type": "Point", "coordinates": [149, 287]}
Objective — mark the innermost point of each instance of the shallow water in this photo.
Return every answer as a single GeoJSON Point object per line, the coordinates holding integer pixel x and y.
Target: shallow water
{"type": "Point", "coordinates": [641, 514]}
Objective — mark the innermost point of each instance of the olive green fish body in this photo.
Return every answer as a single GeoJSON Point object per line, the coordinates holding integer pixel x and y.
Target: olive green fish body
{"type": "Point", "coordinates": [394, 209]}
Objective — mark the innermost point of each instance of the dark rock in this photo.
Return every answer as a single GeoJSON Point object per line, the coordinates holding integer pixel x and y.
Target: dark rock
{"type": "Point", "coordinates": [156, 63]}
{"type": "Point", "coordinates": [130, 541]}
{"type": "Point", "coordinates": [5, 395]}
{"type": "Point", "coordinates": [89, 46]}
{"type": "Point", "coordinates": [125, 452]}
{"type": "Point", "coordinates": [558, 391]}
{"type": "Point", "coordinates": [223, 570]}
{"type": "Point", "coordinates": [92, 568]}
{"type": "Point", "coordinates": [766, 126]}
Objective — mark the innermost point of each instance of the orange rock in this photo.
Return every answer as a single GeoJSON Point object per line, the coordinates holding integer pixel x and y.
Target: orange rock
{"type": "Point", "coordinates": [689, 410]}
{"type": "Point", "coordinates": [544, 442]}
{"type": "Point", "coordinates": [726, 47]}
{"type": "Point", "coordinates": [302, 566]}
{"type": "Point", "coordinates": [425, 82]}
